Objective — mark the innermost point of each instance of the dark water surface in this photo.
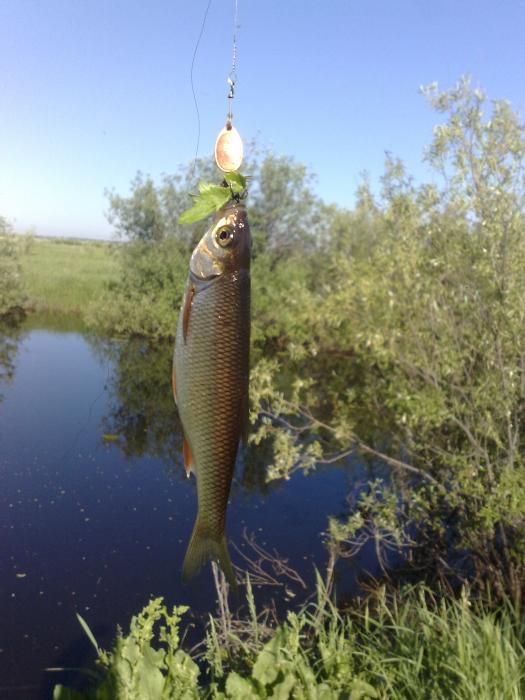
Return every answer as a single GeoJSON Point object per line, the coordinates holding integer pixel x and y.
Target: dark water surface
{"type": "Point", "coordinates": [95, 511]}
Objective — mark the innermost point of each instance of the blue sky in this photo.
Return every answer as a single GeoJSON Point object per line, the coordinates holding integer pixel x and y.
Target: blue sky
{"type": "Point", "coordinates": [93, 90]}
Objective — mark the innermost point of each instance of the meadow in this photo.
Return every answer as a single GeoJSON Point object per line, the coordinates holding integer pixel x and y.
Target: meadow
{"type": "Point", "coordinates": [65, 275]}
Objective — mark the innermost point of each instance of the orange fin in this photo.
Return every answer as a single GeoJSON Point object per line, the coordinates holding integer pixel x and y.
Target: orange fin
{"type": "Point", "coordinates": [188, 458]}
{"type": "Point", "coordinates": [174, 384]}
{"type": "Point", "coordinates": [186, 311]}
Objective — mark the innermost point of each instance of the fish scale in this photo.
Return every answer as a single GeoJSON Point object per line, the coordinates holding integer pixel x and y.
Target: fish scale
{"type": "Point", "coordinates": [214, 393]}
{"type": "Point", "coordinates": [211, 366]}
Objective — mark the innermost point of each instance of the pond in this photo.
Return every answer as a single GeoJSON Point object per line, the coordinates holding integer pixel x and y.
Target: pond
{"type": "Point", "coordinates": [95, 509]}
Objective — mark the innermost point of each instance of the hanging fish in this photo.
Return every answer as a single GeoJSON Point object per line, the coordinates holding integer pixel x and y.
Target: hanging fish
{"type": "Point", "coordinates": [210, 377]}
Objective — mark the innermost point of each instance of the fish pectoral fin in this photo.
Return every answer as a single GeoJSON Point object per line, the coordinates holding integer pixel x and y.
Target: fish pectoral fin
{"type": "Point", "coordinates": [186, 309]}
{"type": "Point", "coordinates": [189, 465]}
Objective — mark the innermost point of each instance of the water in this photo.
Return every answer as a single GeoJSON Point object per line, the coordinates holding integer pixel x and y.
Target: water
{"type": "Point", "coordinates": [95, 510]}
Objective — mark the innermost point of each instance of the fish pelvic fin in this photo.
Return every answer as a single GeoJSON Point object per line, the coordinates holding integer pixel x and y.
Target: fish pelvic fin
{"type": "Point", "coordinates": [189, 464]}
{"type": "Point", "coordinates": [202, 548]}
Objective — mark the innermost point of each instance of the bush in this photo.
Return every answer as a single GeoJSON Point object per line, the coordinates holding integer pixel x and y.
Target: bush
{"type": "Point", "coordinates": [412, 350]}
{"type": "Point", "coordinates": [11, 294]}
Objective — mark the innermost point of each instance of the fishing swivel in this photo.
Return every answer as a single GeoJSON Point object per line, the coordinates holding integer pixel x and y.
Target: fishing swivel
{"type": "Point", "coordinates": [231, 95]}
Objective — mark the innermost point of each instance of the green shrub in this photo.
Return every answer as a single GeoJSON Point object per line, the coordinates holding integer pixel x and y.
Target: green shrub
{"type": "Point", "coordinates": [11, 292]}
{"type": "Point", "coordinates": [410, 348]}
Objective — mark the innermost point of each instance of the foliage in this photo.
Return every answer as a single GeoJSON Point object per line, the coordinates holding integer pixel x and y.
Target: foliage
{"type": "Point", "coordinates": [414, 646]}
{"type": "Point", "coordinates": [414, 329]}
{"type": "Point", "coordinates": [153, 263]}
{"type": "Point", "coordinates": [11, 291]}
{"type": "Point", "coordinates": [145, 295]}
{"type": "Point", "coordinates": [135, 670]}
{"type": "Point", "coordinates": [212, 197]}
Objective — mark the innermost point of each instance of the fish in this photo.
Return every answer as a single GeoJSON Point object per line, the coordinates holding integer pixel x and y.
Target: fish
{"type": "Point", "coordinates": [211, 364]}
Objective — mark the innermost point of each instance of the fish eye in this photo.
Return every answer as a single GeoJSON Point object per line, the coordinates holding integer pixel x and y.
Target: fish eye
{"type": "Point", "coordinates": [224, 236]}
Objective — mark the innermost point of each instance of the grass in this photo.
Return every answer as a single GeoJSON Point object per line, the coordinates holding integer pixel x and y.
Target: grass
{"type": "Point", "coordinates": [414, 646]}
{"type": "Point", "coordinates": [65, 275]}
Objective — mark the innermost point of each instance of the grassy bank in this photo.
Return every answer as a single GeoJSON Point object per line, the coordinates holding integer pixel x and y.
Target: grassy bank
{"type": "Point", "coordinates": [65, 275]}
{"type": "Point", "coordinates": [415, 646]}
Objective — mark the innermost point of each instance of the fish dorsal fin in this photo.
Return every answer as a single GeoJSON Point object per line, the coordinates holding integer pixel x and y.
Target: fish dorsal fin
{"type": "Point", "coordinates": [188, 458]}
{"type": "Point", "coordinates": [186, 310]}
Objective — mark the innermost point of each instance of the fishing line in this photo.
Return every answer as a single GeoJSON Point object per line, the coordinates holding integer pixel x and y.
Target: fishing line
{"type": "Point", "coordinates": [193, 87]}
{"type": "Point", "coordinates": [233, 72]}
{"type": "Point", "coordinates": [104, 389]}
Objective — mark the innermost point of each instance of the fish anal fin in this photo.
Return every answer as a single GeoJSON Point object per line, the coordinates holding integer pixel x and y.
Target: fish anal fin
{"type": "Point", "coordinates": [186, 309]}
{"type": "Point", "coordinates": [188, 458]}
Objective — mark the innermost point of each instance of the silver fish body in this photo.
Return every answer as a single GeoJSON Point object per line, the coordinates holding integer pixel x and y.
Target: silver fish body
{"type": "Point", "coordinates": [211, 374]}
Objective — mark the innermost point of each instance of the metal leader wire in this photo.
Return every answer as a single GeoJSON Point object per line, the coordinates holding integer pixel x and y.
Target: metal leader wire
{"type": "Point", "coordinates": [228, 145]}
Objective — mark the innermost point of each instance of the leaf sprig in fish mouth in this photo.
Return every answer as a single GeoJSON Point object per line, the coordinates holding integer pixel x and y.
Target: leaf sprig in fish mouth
{"type": "Point", "coordinates": [212, 197]}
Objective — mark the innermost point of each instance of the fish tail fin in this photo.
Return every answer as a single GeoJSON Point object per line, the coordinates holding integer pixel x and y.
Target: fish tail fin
{"type": "Point", "coordinates": [202, 548]}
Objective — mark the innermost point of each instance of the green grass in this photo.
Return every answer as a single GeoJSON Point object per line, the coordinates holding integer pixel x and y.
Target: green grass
{"type": "Point", "coordinates": [413, 647]}
{"type": "Point", "coordinates": [65, 275]}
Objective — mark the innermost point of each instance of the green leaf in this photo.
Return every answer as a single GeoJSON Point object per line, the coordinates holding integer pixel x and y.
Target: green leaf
{"type": "Point", "coordinates": [211, 198]}
{"type": "Point", "coordinates": [265, 668]}
{"type": "Point", "coordinates": [200, 210]}
{"type": "Point", "coordinates": [239, 688]}
{"type": "Point", "coordinates": [150, 680]}
{"type": "Point", "coordinates": [214, 193]}
{"type": "Point", "coordinates": [89, 633]}
{"type": "Point", "coordinates": [282, 690]}
{"type": "Point", "coordinates": [361, 689]}
{"type": "Point", "coordinates": [236, 181]}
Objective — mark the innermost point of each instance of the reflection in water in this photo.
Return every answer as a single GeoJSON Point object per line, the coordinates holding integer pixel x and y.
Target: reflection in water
{"type": "Point", "coordinates": [142, 413]}
{"type": "Point", "coordinates": [143, 418]}
{"type": "Point", "coordinates": [10, 335]}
